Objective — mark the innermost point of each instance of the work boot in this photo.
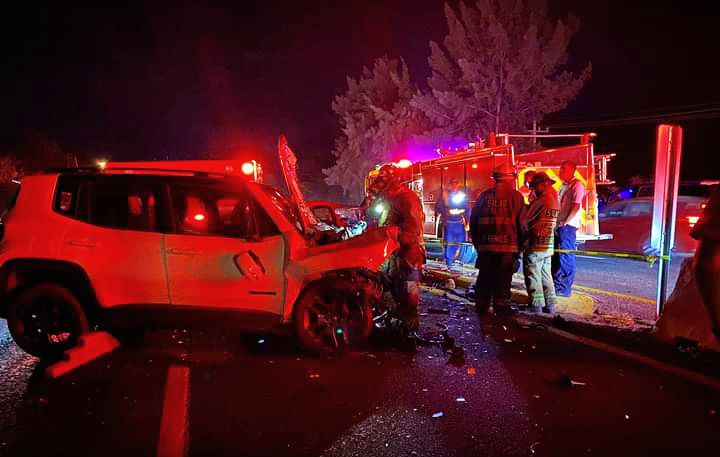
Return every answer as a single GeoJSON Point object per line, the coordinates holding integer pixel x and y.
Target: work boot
{"type": "Point", "coordinates": [550, 309]}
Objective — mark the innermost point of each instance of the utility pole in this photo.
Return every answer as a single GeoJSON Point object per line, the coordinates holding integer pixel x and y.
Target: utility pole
{"type": "Point", "coordinates": [534, 132]}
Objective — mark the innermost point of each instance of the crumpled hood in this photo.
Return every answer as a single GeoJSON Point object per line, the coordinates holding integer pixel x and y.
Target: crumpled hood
{"type": "Point", "coordinates": [368, 250]}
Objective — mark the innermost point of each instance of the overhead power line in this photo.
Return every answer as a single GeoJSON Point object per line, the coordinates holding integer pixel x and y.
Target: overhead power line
{"type": "Point", "coordinates": [710, 113]}
{"type": "Point", "coordinates": [622, 114]}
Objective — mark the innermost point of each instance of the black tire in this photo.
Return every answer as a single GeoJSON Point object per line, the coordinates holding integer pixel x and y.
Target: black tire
{"type": "Point", "coordinates": [321, 319]}
{"type": "Point", "coordinates": [46, 319]}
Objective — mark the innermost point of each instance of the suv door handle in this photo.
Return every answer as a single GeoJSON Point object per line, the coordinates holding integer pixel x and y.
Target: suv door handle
{"type": "Point", "coordinates": [82, 243]}
{"type": "Point", "coordinates": [181, 251]}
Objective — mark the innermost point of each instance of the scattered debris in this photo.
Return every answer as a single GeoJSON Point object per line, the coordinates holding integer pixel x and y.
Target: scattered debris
{"type": "Point", "coordinates": [460, 399]}
{"type": "Point", "coordinates": [508, 340]}
{"type": "Point", "coordinates": [566, 381]}
{"type": "Point", "coordinates": [438, 311]}
{"type": "Point", "coordinates": [438, 414]}
{"type": "Point", "coordinates": [313, 375]}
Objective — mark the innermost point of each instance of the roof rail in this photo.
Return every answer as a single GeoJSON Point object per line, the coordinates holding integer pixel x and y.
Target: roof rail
{"type": "Point", "coordinates": [71, 170]}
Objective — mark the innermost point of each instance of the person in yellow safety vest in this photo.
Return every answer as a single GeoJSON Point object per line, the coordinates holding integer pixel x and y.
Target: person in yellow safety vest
{"type": "Point", "coordinates": [453, 209]}
{"type": "Point", "coordinates": [541, 220]}
{"type": "Point", "coordinates": [404, 267]}
{"type": "Point", "coordinates": [497, 231]}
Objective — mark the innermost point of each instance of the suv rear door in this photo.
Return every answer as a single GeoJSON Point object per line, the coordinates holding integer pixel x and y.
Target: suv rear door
{"type": "Point", "coordinates": [115, 235]}
{"type": "Point", "coordinates": [224, 252]}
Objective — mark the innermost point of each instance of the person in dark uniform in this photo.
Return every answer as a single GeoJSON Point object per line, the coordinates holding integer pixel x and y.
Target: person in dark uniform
{"type": "Point", "coordinates": [453, 209]}
{"type": "Point", "coordinates": [497, 231]}
{"type": "Point", "coordinates": [404, 266]}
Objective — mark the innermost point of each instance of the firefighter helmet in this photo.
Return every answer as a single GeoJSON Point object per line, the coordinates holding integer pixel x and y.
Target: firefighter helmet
{"type": "Point", "coordinates": [387, 178]}
{"type": "Point", "coordinates": [504, 172]}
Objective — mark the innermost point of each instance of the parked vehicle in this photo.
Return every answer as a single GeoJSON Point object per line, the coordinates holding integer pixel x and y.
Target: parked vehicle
{"type": "Point", "coordinates": [349, 219]}
{"type": "Point", "coordinates": [629, 221]}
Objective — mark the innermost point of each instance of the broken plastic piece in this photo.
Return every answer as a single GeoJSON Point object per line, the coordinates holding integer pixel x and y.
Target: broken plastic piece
{"type": "Point", "coordinates": [438, 414]}
{"type": "Point", "coordinates": [90, 347]}
{"type": "Point", "coordinates": [313, 375]}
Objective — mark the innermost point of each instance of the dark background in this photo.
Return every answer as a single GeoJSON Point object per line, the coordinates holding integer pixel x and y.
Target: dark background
{"type": "Point", "coordinates": [184, 79]}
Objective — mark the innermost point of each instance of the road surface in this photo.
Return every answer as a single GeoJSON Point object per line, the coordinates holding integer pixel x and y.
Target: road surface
{"type": "Point", "coordinates": [623, 276]}
{"type": "Point", "coordinates": [500, 389]}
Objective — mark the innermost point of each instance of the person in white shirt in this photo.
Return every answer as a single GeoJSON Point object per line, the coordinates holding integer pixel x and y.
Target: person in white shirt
{"type": "Point", "coordinates": [569, 221]}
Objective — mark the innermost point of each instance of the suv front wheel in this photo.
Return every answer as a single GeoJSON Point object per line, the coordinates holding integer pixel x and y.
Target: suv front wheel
{"type": "Point", "coordinates": [46, 319]}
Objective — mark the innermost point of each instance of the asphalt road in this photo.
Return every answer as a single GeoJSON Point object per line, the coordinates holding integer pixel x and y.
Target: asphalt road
{"type": "Point", "coordinates": [500, 389]}
{"type": "Point", "coordinates": [623, 276]}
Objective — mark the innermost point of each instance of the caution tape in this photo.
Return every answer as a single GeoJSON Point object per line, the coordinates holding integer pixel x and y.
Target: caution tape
{"type": "Point", "coordinates": [651, 259]}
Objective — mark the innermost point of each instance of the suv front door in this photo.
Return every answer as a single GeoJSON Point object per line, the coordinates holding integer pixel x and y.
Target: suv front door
{"type": "Point", "coordinates": [223, 253]}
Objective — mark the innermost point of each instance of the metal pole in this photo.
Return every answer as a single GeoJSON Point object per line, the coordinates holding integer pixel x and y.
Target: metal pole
{"type": "Point", "coordinates": [667, 176]}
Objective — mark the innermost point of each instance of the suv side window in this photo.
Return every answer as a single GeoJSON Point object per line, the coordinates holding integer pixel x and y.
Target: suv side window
{"type": "Point", "coordinates": [217, 208]}
{"type": "Point", "coordinates": [71, 197]}
{"type": "Point", "coordinates": [126, 202]}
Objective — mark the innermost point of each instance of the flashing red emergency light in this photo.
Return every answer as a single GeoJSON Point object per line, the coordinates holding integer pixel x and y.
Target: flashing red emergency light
{"type": "Point", "coordinates": [248, 168]}
{"type": "Point", "coordinates": [199, 217]}
{"type": "Point", "coordinates": [403, 163]}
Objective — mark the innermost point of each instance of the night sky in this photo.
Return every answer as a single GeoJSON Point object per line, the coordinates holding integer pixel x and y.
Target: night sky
{"type": "Point", "coordinates": [190, 80]}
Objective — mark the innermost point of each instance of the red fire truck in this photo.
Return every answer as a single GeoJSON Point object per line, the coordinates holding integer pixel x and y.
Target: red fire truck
{"type": "Point", "coordinates": [473, 166]}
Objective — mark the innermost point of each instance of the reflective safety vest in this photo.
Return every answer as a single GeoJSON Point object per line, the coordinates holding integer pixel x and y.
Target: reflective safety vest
{"type": "Point", "coordinates": [541, 220]}
{"type": "Point", "coordinates": [496, 221]}
{"type": "Point", "coordinates": [454, 207]}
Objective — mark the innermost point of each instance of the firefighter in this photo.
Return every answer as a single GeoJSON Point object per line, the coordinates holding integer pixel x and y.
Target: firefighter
{"type": "Point", "coordinates": [453, 210]}
{"type": "Point", "coordinates": [541, 220]}
{"type": "Point", "coordinates": [497, 230]}
{"type": "Point", "coordinates": [571, 194]}
{"type": "Point", "coordinates": [707, 259]}
{"type": "Point", "coordinates": [404, 266]}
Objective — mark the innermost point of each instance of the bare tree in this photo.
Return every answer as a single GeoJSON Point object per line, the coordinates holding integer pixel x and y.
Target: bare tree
{"type": "Point", "coordinates": [500, 67]}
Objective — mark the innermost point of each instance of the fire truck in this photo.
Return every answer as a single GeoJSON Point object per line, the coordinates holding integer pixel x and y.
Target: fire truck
{"type": "Point", "coordinates": [473, 166]}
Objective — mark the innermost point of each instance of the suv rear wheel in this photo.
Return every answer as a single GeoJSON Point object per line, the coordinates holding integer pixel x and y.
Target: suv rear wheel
{"type": "Point", "coordinates": [46, 319]}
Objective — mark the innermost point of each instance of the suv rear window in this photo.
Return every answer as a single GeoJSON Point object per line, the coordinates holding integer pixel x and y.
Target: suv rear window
{"type": "Point", "coordinates": [126, 202]}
